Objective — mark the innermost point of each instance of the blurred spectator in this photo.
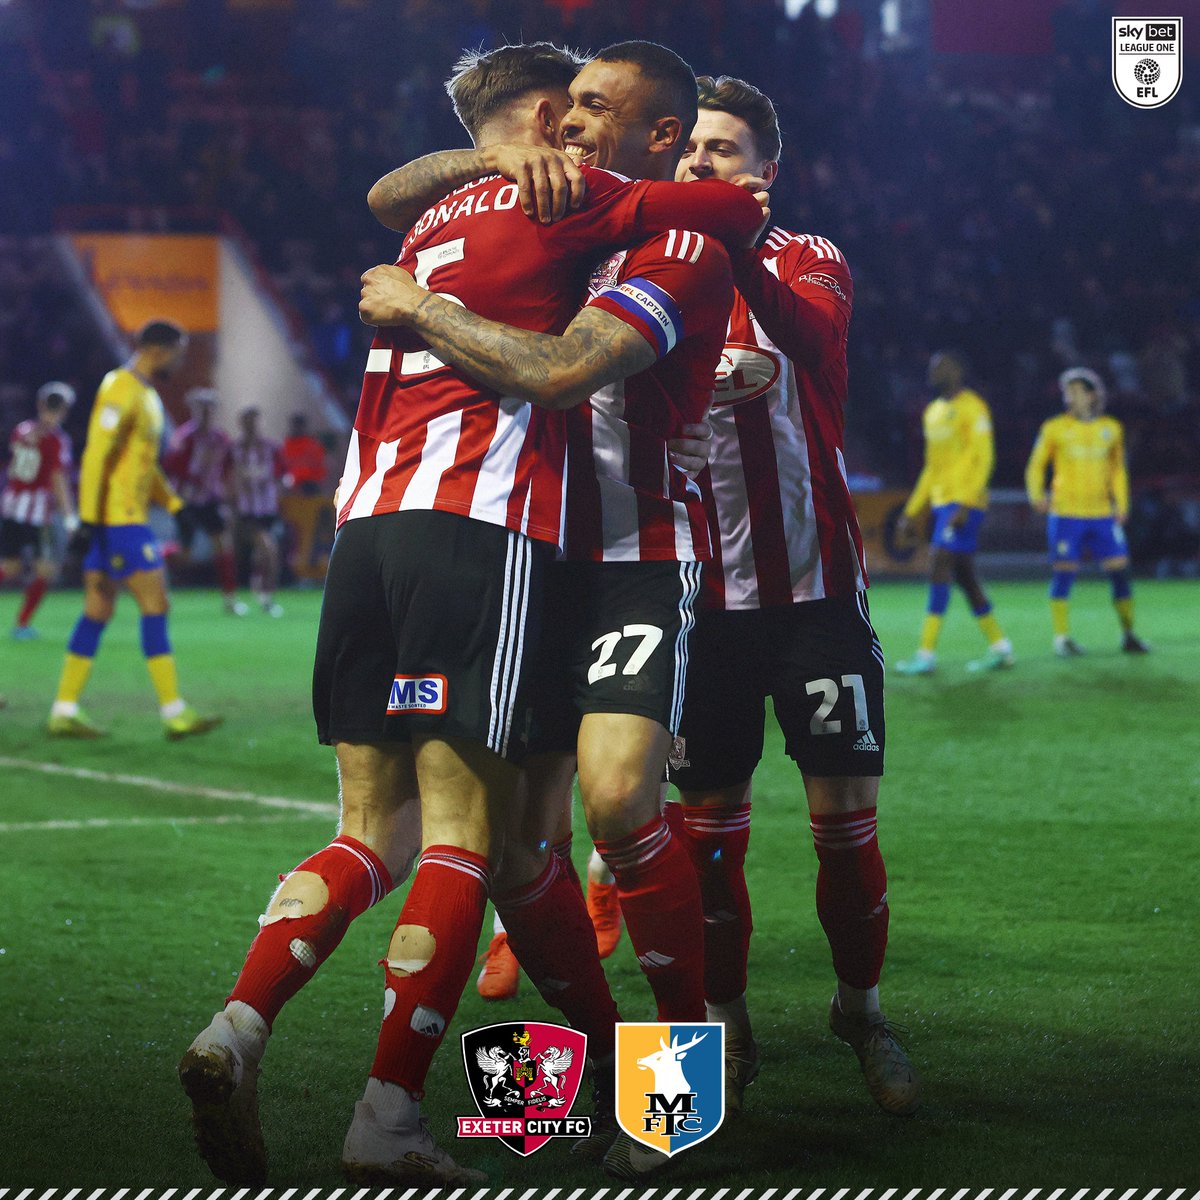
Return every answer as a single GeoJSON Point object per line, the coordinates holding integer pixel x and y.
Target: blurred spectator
{"type": "Point", "coordinates": [304, 464]}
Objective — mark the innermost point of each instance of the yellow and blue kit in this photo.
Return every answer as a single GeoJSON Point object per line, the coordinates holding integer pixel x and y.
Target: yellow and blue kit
{"type": "Point", "coordinates": [959, 454]}
{"type": "Point", "coordinates": [120, 477]}
{"type": "Point", "coordinates": [1089, 501]}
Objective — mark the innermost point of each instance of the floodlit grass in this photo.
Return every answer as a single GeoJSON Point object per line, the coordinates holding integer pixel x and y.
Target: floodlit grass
{"type": "Point", "coordinates": [1040, 831]}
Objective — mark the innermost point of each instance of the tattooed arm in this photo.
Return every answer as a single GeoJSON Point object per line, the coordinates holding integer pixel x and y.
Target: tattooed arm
{"type": "Point", "coordinates": [548, 182]}
{"type": "Point", "coordinates": [555, 372]}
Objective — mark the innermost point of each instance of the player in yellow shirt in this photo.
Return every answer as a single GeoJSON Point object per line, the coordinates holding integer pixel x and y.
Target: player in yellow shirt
{"type": "Point", "coordinates": [119, 479]}
{"type": "Point", "coordinates": [1088, 503]}
{"type": "Point", "coordinates": [954, 482]}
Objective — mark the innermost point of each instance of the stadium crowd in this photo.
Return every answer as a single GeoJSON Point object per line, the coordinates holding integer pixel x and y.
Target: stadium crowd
{"type": "Point", "coordinates": [1036, 224]}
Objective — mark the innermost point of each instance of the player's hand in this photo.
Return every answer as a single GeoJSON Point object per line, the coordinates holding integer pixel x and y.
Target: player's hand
{"type": "Point", "coordinates": [959, 517]}
{"type": "Point", "coordinates": [549, 184]}
{"type": "Point", "coordinates": [70, 523]}
{"type": "Point", "coordinates": [758, 186]}
{"type": "Point", "coordinates": [1040, 506]}
{"type": "Point", "coordinates": [691, 452]}
{"type": "Point", "coordinates": [81, 539]}
{"type": "Point", "coordinates": [904, 527]}
{"type": "Point", "coordinates": [389, 296]}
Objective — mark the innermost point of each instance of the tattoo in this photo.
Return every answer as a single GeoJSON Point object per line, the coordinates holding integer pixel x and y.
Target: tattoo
{"type": "Point", "coordinates": [401, 196]}
{"type": "Point", "coordinates": [553, 371]}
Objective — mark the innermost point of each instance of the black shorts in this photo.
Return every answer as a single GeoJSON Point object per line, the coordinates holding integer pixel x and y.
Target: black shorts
{"type": "Point", "coordinates": [17, 537]}
{"type": "Point", "coordinates": [191, 518]}
{"type": "Point", "coordinates": [822, 666]}
{"type": "Point", "coordinates": [615, 640]}
{"type": "Point", "coordinates": [428, 623]}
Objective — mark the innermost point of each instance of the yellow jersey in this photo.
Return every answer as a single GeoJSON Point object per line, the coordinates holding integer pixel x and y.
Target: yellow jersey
{"type": "Point", "coordinates": [119, 475]}
{"type": "Point", "coordinates": [1088, 461]}
{"type": "Point", "coordinates": [959, 453]}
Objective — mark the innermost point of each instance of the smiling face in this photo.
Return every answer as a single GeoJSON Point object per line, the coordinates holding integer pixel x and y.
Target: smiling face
{"type": "Point", "coordinates": [609, 123]}
{"type": "Point", "coordinates": [722, 146]}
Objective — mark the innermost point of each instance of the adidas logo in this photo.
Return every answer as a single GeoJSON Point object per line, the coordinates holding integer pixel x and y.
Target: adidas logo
{"type": "Point", "coordinates": [654, 959]}
{"type": "Point", "coordinates": [867, 742]}
{"type": "Point", "coordinates": [427, 1022]}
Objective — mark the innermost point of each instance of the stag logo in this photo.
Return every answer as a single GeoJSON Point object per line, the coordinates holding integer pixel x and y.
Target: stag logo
{"type": "Point", "coordinates": [670, 1083]}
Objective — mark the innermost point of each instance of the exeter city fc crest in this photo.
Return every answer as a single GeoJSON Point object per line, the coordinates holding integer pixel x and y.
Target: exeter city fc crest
{"type": "Point", "coordinates": [1147, 59]}
{"type": "Point", "coordinates": [670, 1083]}
{"type": "Point", "coordinates": [524, 1077]}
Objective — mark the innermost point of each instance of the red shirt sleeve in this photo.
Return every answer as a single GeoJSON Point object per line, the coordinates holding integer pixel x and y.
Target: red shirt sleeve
{"type": "Point", "coordinates": [674, 286]}
{"type": "Point", "coordinates": [804, 306]}
{"type": "Point", "coordinates": [620, 212]}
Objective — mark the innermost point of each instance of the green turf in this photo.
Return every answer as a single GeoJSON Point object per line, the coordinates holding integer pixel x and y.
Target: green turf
{"type": "Point", "coordinates": [1039, 827]}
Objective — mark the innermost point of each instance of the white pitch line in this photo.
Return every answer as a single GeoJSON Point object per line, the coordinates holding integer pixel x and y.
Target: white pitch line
{"type": "Point", "coordinates": [130, 822]}
{"type": "Point", "coordinates": [170, 787]}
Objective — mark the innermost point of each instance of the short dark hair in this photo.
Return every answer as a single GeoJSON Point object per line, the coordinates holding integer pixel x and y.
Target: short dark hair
{"type": "Point", "coordinates": [674, 81]}
{"type": "Point", "coordinates": [744, 100]}
{"type": "Point", "coordinates": [484, 83]}
{"type": "Point", "coordinates": [160, 333]}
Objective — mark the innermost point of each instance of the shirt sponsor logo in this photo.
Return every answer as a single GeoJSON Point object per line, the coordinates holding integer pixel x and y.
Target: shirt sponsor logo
{"type": "Point", "coordinates": [825, 281]}
{"type": "Point", "coordinates": [744, 373]}
{"type": "Point", "coordinates": [417, 693]}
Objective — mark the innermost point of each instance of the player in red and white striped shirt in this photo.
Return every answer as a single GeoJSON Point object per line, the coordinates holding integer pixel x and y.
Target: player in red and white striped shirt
{"type": "Point", "coordinates": [785, 615]}
{"type": "Point", "coordinates": [35, 488]}
{"type": "Point", "coordinates": [256, 467]}
{"type": "Point", "coordinates": [450, 503]}
{"type": "Point", "coordinates": [198, 462]}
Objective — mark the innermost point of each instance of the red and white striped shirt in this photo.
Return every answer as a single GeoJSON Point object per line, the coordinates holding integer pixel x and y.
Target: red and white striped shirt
{"type": "Point", "coordinates": [36, 455]}
{"type": "Point", "coordinates": [257, 469]}
{"type": "Point", "coordinates": [427, 436]}
{"type": "Point", "coordinates": [625, 501]}
{"type": "Point", "coordinates": [779, 506]}
{"type": "Point", "coordinates": [197, 461]}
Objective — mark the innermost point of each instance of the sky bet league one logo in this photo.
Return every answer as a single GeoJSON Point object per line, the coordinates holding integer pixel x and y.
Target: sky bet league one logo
{"type": "Point", "coordinates": [670, 1084]}
{"type": "Point", "coordinates": [1147, 59]}
{"type": "Point", "coordinates": [524, 1077]}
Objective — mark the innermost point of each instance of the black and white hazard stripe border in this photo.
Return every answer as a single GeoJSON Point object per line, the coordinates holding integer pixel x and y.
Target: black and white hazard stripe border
{"type": "Point", "coordinates": [604, 1193]}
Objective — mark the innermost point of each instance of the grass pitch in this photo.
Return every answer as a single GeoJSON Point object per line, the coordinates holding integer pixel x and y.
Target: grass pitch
{"type": "Point", "coordinates": [1040, 831]}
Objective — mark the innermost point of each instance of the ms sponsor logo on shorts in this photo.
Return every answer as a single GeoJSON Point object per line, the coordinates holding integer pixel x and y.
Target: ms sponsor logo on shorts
{"type": "Point", "coordinates": [417, 693]}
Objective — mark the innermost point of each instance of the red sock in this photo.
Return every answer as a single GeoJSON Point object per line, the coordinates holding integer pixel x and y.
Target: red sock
{"type": "Point", "coordinates": [287, 952]}
{"type": "Point", "coordinates": [551, 934]}
{"type": "Point", "coordinates": [563, 851]}
{"type": "Point", "coordinates": [444, 913]}
{"type": "Point", "coordinates": [227, 573]}
{"type": "Point", "coordinates": [717, 839]}
{"type": "Point", "coordinates": [660, 900]}
{"type": "Point", "coordinates": [33, 597]}
{"type": "Point", "coordinates": [852, 894]}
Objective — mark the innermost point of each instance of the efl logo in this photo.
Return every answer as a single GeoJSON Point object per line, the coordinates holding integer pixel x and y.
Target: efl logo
{"type": "Point", "coordinates": [744, 373]}
{"type": "Point", "coordinates": [1147, 59]}
{"type": "Point", "coordinates": [670, 1084]}
{"type": "Point", "coordinates": [418, 693]}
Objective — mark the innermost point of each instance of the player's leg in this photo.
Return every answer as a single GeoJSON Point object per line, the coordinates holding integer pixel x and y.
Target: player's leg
{"type": "Point", "coordinates": [718, 747]}
{"type": "Point", "coordinates": [1113, 553]}
{"type": "Point", "coordinates": [829, 704]}
{"type": "Point", "coordinates": [941, 572]}
{"type": "Point", "coordinates": [464, 599]}
{"type": "Point", "coordinates": [44, 571]}
{"type": "Point", "coordinates": [542, 906]}
{"type": "Point", "coordinates": [149, 590]}
{"type": "Point", "coordinates": [378, 838]}
{"type": "Point", "coordinates": [1062, 538]}
{"type": "Point", "coordinates": [67, 718]}
{"type": "Point", "coordinates": [266, 554]}
{"type": "Point", "coordinates": [224, 561]}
